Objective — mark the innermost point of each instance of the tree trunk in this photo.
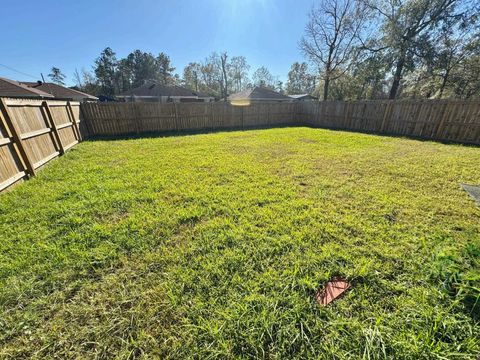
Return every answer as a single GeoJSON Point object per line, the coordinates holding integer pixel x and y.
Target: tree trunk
{"type": "Point", "coordinates": [396, 78]}
{"type": "Point", "coordinates": [224, 75]}
{"type": "Point", "coordinates": [444, 84]}
{"type": "Point", "coordinates": [327, 74]}
{"type": "Point", "coordinates": [325, 87]}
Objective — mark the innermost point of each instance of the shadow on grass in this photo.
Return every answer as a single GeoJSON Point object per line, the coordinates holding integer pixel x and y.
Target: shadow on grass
{"type": "Point", "coordinates": [396, 136]}
{"type": "Point", "coordinates": [158, 134]}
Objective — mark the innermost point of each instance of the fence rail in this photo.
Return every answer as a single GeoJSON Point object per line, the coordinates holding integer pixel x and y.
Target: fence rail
{"type": "Point", "coordinates": [33, 132]}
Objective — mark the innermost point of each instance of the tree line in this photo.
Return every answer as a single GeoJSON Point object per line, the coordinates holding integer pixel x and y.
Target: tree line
{"type": "Point", "coordinates": [218, 74]}
{"type": "Point", "coordinates": [353, 49]}
{"type": "Point", "coordinates": [370, 49]}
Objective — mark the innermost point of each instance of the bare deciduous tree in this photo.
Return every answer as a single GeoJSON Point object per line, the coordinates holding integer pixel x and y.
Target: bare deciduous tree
{"type": "Point", "coordinates": [238, 72]}
{"type": "Point", "coordinates": [331, 36]}
{"type": "Point", "coordinates": [78, 79]}
{"type": "Point", "coordinates": [224, 65]}
{"type": "Point", "coordinates": [263, 77]}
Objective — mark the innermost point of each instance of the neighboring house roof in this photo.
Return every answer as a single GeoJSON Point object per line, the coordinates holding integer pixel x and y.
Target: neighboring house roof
{"type": "Point", "coordinates": [12, 88]}
{"type": "Point", "coordinates": [153, 89]}
{"type": "Point", "coordinates": [259, 93]}
{"type": "Point", "coordinates": [60, 92]}
{"type": "Point", "coordinates": [204, 95]}
{"type": "Point", "coordinates": [302, 96]}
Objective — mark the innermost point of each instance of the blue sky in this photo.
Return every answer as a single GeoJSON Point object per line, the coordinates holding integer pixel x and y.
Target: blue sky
{"type": "Point", "coordinates": [68, 34]}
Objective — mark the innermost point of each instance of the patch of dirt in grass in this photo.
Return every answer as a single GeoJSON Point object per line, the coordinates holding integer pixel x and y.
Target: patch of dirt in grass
{"type": "Point", "coordinates": [114, 218]}
{"type": "Point", "coordinates": [185, 231]}
{"type": "Point", "coordinates": [308, 141]}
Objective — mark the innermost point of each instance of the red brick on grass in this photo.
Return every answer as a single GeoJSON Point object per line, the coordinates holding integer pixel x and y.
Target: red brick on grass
{"type": "Point", "coordinates": [332, 290]}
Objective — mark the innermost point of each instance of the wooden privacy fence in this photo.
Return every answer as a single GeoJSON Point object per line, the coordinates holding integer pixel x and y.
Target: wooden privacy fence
{"type": "Point", "coordinates": [126, 118]}
{"type": "Point", "coordinates": [446, 120]}
{"type": "Point", "coordinates": [32, 132]}
{"type": "Point", "coordinates": [451, 120]}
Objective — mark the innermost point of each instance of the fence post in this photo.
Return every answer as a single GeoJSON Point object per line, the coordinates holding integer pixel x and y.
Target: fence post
{"type": "Point", "coordinates": [241, 117]}
{"type": "Point", "coordinates": [134, 118]}
{"type": "Point", "coordinates": [346, 109]}
{"type": "Point", "coordinates": [386, 115]}
{"type": "Point", "coordinates": [85, 115]}
{"type": "Point", "coordinates": [17, 139]}
{"type": "Point", "coordinates": [49, 120]}
{"type": "Point", "coordinates": [476, 122]}
{"type": "Point", "coordinates": [176, 116]}
{"type": "Point", "coordinates": [76, 129]}
{"type": "Point", "coordinates": [440, 127]}
{"type": "Point", "coordinates": [299, 113]}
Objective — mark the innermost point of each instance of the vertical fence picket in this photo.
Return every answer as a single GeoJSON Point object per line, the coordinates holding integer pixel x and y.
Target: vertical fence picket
{"type": "Point", "coordinates": [55, 136]}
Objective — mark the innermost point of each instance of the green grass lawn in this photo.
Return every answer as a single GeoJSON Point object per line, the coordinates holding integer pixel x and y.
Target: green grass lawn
{"type": "Point", "coordinates": [213, 245]}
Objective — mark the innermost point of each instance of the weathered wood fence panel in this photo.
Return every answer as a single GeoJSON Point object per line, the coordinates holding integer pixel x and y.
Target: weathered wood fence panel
{"type": "Point", "coordinates": [126, 118]}
{"type": "Point", "coordinates": [450, 120]}
{"type": "Point", "coordinates": [32, 132]}
{"type": "Point", "coordinates": [445, 120]}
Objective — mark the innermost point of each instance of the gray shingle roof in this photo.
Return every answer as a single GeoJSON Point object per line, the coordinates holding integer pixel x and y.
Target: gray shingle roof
{"type": "Point", "coordinates": [59, 91]}
{"type": "Point", "coordinates": [12, 88]}
{"type": "Point", "coordinates": [157, 90]}
{"type": "Point", "coordinates": [259, 93]}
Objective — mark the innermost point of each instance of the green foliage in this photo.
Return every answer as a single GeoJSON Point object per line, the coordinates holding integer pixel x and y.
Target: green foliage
{"type": "Point", "coordinates": [213, 245]}
{"type": "Point", "coordinates": [386, 48]}
{"type": "Point", "coordinates": [300, 80]}
{"type": "Point", "coordinates": [105, 67]}
{"type": "Point", "coordinates": [365, 81]}
{"type": "Point", "coordinates": [238, 73]}
{"type": "Point", "coordinates": [57, 76]}
{"type": "Point", "coordinates": [116, 76]}
{"type": "Point", "coordinates": [408, 29]}
{"type": "Point", "coordinates": [263, 77]}
{"type": "Point", "coordinates": [164, 69]}
{"type": "Point", "coordinates": [142, 66]}
{"type": "Point", "coordinates": [465, 78]}
{"type": "Point", "coordinates": [218, 75]}
{"type": "Point", "coordinates": [192, 76]}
